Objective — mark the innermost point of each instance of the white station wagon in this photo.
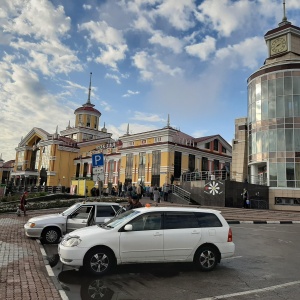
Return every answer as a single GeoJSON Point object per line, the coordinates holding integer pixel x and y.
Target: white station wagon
{"type": "Point", "coordinates": [151, 234]}
{"type": "Point", "coordinates": [52, 227]}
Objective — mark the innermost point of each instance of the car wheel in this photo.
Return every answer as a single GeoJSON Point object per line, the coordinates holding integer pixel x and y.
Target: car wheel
{"type": "Point", "coordinates": [51, 235]}
{"type": "Point", "coordinates": [206, 258]}
{"type": "Point", "coordinates": [99, 261]}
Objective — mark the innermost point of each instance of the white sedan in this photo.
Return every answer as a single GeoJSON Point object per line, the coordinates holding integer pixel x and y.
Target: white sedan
{"type": "Point", "coordinates": [156, 234]}
{"type": "Point", "coordinates": [52, 227]}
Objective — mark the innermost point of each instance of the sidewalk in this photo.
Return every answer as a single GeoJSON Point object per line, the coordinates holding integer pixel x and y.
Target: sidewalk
{"type": "Point", "coordinates": [24, 273]}
{"type": "Point", "coordinates": [22, 269]}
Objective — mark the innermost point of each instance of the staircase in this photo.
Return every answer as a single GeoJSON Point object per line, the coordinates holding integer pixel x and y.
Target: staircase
{"type": "Point", "coordinates": [179, 195]}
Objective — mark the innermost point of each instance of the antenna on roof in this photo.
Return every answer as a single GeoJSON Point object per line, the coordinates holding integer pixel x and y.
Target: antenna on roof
{"type": "Point", "coordinates": [284, 18]}
{"type": "Point", "coordinates": [90, 88]}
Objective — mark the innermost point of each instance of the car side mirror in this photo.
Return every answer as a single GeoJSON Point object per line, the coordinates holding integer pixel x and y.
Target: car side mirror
{"type": "Point", "coordinates": [128, 227]}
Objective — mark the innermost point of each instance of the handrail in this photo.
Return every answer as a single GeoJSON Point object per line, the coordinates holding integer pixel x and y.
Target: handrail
{"type": "Point", "coordinates": [205, 175]}
{"type": "Point", "coordinates": [180, 192]}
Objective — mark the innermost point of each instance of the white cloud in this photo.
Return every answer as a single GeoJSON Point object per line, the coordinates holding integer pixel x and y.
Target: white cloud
{"type": "Point", "coordinates": [178, 13]}
{"type": "Point", "coordinates": [204, 49]}
{"type": "Point", "coordinates": [244, 54]}
{"type": "Point", "coordinates": [113, 47]}
{"type": "Point", "coordinates": [114, 77]}
{"type": "Point", "coordinates": [225, 15]}
{"type": "Point", "coordinates": [87, 7]}
{"type": "Point", "coordinates": [36, 18]}
{"type": "Point", "coordinates": [130, 93]}
{"type": "Point", "coordinates": [149, 65]}
{"type": "Point", "coordinates": [107, 107]}
{"type": "Point", "coordinates": [146, 117]}
{"type": "Point", "coordinates": [169, 42]}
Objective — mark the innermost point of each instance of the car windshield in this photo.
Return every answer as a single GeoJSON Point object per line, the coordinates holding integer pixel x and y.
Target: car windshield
{"type": "Point", "coordinates": [71, 209]}
{"type": "Point", "coordinates": [121, 218]}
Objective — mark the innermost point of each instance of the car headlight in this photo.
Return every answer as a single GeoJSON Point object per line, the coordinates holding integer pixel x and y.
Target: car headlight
{"type": "Point", "coordinates": [71, 242]}
{"type": "Point", "coordinates": [31, 224]}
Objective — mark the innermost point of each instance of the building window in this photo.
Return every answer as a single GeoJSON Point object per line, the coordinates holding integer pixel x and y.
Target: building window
{"type": "Point", "coordinates": [46, 158]}
{"type": "Point", "coordinates": [20, 160]}
{"type": "Point", "coordinates": [111, 170]}
{"type": "Point", "coordinates": [223, 149]}
{"type": "Point", "coordinates": [130, 143]}
{"type": "Point", "coordinates": [88, 121]}
{"type": "Point", "coordinates": [80, 120]}
{"type": "Point", "coordinates": [77, 170]}
{"type": "Point", "coordinates": [128, 169]}
{"type": "Point", "coordinates": [157, 139]}
{"type": "Point", "coordinates": [191, 163]}
{"type": "Point", "coordinates": [204, 164]}
{"type": "Point", "coordinates": [216, 145]}
{"type": "Point", "coordinates": [156, 158]}
{"type": "Point", "coordinates": [142, 163]}
{"type": "Point", "coordinates": [177, 164]}
{"type": "Point", "coordinates": [144, 141]}
{"type": "Point", "coordinates": [207, 146]}
{"type": "Point", "coordinates": [216, 165]}
{"type": "Point", "coordinates": [96, 123]}
{"type": "Point", "coordinates": [85, 169]}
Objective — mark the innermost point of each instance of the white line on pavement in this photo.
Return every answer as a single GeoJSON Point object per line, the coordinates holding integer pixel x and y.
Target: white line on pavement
{"type": "Point", "coordinates": [270, 288]}
{"type": "Point", "coordinates": [233, 257]}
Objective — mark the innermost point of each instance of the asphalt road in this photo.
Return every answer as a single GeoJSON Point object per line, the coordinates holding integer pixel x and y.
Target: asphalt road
{"type": "Point", "coordinates": [265, 266]}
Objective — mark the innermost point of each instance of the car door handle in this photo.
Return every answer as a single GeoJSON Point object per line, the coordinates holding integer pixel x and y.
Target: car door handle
{"type": "Point", "coordinates": [195, 232]}
{"type": "Point", "coordinates": [157, 234]}
{"type": "Point", "coordinates": [83, 221]}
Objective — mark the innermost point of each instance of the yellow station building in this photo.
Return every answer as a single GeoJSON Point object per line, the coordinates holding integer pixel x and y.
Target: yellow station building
{"type": "Point", "coordinates": [64, 159]}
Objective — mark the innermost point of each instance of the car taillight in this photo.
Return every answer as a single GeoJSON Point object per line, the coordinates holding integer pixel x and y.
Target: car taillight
{"type": "Point", "coordinates": [229, 239]}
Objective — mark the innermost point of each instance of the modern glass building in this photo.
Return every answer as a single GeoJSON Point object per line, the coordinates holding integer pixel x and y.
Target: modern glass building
{"type": "Point", "coordinates": [273, 122]}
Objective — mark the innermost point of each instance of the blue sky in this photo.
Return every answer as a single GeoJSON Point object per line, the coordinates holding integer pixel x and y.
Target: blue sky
{"type": "Point", "coordinates": [149, 58]}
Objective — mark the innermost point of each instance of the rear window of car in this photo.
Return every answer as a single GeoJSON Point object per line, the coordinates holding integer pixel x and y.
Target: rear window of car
{"type": "Point", "coordinates": [180, 220]}
{"type": "Point", "coordinates": [105, 211]}
{"type": "Point", "coordinates": [207, 220]}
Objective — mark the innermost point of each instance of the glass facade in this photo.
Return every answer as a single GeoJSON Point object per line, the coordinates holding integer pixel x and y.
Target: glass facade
{"type": "Point", "coordinates": [274, 127]}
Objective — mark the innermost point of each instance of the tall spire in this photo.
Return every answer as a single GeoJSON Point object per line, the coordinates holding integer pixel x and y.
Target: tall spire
{"type": "Point", "coordinates": [168, 122]}
{"type": "Point", "coordinates": [90, 88]}
{"type": "Point", "coordinates": [284, 18]}
{"type": "Point", "coordinates": [127, 133]}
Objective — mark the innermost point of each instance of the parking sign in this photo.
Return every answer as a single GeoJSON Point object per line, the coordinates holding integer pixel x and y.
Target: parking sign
{"type": "Point", "coordinates": [97, 160]}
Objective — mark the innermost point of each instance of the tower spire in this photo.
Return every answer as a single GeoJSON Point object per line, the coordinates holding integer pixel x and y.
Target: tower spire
{"type": "Point", "coordinates": [284, 18]}
{"type": "Point", "coordinates": [90, 88]}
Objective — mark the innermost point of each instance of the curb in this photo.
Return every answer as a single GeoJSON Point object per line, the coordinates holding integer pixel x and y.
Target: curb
{"type": "Point", "coordinates": [50, 273]}
{"type": "Point", "coordinates": [262, 222]}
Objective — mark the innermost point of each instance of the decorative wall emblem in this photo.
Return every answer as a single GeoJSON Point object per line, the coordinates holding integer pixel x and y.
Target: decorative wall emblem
{"type": "Point", "coordinates": [214, 187]}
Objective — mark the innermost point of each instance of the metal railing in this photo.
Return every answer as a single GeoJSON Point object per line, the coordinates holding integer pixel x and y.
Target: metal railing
{"type": "Point", "coordinates": [183, 194]}
{"type": "Point", "coordinates": [205, 175]}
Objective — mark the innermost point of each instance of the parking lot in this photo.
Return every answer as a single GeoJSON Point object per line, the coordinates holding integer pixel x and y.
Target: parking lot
{"type": "Point", "coordinates": [265, 266]}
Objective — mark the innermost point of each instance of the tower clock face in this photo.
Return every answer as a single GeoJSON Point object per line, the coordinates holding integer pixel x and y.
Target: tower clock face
{"type": "Point", "coordinates": [278, 45]}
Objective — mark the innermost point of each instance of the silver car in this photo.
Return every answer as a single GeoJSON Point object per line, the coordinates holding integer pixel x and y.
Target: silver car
{"type": "Point", "coordinates": [50, 228]}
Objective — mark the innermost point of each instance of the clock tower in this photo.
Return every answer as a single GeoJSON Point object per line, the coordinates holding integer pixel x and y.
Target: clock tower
{"type": "Point", "coordinates": [283, 42]}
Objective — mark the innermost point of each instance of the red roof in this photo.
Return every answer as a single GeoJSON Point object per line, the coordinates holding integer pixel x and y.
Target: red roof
{"type": "Point", "coordinates": [88, 108]}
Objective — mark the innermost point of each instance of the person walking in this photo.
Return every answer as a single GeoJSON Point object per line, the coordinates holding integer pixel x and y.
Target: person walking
{"type": "Point", "coordinates": [166, 192]}
{"type": "Point", "coordinates": [23, 202]}
{"type": "Point", "coordinates": [246, 201]}
{"type": "Point", "coordinates": [156, 195]}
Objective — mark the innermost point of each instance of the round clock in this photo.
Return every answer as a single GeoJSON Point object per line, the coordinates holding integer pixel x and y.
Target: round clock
{"type": "Point", "coordinates": [278, 45]}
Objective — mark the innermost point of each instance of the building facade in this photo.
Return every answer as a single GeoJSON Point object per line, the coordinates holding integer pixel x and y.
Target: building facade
{"type": "Point", "coordinates": [273, 124]}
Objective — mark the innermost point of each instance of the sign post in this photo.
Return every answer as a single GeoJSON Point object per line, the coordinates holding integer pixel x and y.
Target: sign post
{"type": "Point", "coordinates": [98, 170]}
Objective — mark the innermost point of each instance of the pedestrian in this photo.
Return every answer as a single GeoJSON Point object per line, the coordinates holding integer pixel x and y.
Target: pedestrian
{"type": "Point", "coordinates": [246, 201]}
{"type": "Point", "coordinates": [166, 192]}
{"type": "Point", "coordinates": [136, 202]}
{"type": "Point", "coordinates": [151, 189]}
{"type": "Point", "coordinates": [139, 191]}
{"type": "Point", "coordinates": [172, 179]}
{"type": "Point", "coordinates": [156, 195]}
{"type": "Point", "coordinates": [129, 204]}
{"type": "Point", "coordinates": [23, 202]}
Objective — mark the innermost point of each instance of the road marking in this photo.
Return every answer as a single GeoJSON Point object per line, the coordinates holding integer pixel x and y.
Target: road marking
{"type": "Point", "coordinates": [270, 288]}
{"type": "Point", "coordinates": [233, 257]}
